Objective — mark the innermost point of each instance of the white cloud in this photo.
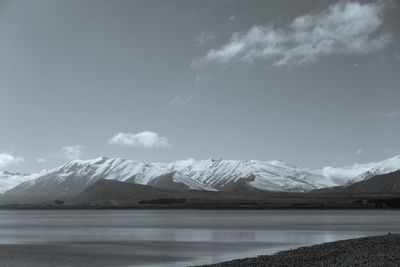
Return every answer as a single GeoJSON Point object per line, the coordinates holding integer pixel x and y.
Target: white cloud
{"type": "Point", "coordinates": [353, 171]}
{"type": "Point", "coordinates": [179, 100]}
{"type": "Point", "coordinates": [359, 151]}
{"type": "Point", "coordinates": [8, 159]}
{"type": "Point", "coordinates": [145, 139]}
{"type": "Point", "coordinates": [180, 164]}
{"type": "Point", "coordinates": [41, 160]}
{"type": "Point", "coordinates": [343, 173]}
{"type": "Point", "coordinates": [342, 29]}
{"type": "Point", "coordinates": [73, 152]}
{"type": "Point", "coordinates": [232, 18]}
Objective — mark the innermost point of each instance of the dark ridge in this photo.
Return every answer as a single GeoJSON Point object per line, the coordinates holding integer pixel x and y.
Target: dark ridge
{"type": "Point", "coordinates": [108, 191]}
{"type": "Point", "coordinates": [166, 181]}
{"type": "Point", "coordinates": [385, 183]}
{"type": "Point", "coordinates": [241, 185]}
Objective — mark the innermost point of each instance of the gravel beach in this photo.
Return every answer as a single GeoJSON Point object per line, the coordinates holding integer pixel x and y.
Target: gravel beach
{"type": "Point", "coordinates": [369, 251]}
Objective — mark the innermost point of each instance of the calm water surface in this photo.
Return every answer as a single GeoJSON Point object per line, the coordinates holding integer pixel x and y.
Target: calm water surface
{"type": "Point", "coordinates": [173, 237]}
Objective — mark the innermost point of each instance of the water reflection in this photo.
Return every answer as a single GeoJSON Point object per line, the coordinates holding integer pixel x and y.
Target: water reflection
{"type": "Point", "coordinates": [184, 237]}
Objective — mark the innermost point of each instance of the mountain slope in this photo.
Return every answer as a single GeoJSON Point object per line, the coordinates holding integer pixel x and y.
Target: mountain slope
{"type": "Point", "coordinates": [9, 180]}
{"type": "Point", "coordinates": [360, 172]}
{"type": "Point", "coordinates": [271, 176]}
{"type": "Point", "coordinates": [73, 178]}
{"type": "Point", "coordinates": [384, 183]}
{"type": "Point", "coordinates": [115, 192]}
{"type": "Point", "coordinates": [388, 183]}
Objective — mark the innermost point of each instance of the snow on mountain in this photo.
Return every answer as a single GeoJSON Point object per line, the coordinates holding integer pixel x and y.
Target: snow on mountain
{"type": "Point", "coordinates": [360, 172]}
{"type": "Point", "coordinates": [76, 175]}
{"type": "Point", "coordinates": [9, 180]}
{"type": "Point", "coordinates": [273, 175]}
{"type": "Point", "coordinates": [151, 173]}
{"type": "Point", "coordinates": [287, 177]}
{"type": "Point", "coordinates": [72, 178]}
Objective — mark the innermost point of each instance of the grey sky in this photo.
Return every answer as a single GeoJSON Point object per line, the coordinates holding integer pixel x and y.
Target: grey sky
{"type": "Point", "coordinates": [117, 78]}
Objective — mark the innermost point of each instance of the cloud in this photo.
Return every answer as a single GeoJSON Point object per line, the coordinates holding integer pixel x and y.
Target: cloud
{"type": "Point", "coordinates": [232, 18]}
{"type": "Point", "coordinates": [355, 170]}
{"type": "Point", "coordinates": [204, 37]}
{"type": "Point", "coordinates": [145, 139]}
{"type": "Point", "coordinates": [72, 152]}
{"type": "Point", "coordinates": [8, 159]}
{"type": "Point", "coordinates": [179, 100]}
{"type": "Point", "coordinates": [341, 29]}
{"type": "Point", "coordinates": [343, 173]}
{"type": "Point", "coordinates": [359, 151]}
{"type": "Point", "coordinates": [180, 164]}
{"type": "Point", "coordinates": [41, 160]}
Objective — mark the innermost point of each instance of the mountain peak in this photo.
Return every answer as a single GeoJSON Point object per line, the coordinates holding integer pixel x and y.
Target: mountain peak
{"type": "Point", "coordinates": [91, 161]}
{"type": "Point", "coordinates": [207, 174]}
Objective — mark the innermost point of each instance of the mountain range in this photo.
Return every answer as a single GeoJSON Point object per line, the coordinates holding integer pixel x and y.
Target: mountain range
{"type": "Point", "coordinates": [73, 178]}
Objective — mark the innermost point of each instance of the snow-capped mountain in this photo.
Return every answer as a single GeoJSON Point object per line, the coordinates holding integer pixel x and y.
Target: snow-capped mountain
{"type": "Point", "coordinates": [360, 172]}
{"type": "Point", "coordinates": [74, 177]}
{"type": "Point", "coordinates": [9, 180]}
{"type": "Point", "coordinates": [272, 176]}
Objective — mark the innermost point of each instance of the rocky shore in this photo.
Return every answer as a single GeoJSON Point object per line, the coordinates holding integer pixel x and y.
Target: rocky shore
{"type": "Point", "coordinates": [370, 251]}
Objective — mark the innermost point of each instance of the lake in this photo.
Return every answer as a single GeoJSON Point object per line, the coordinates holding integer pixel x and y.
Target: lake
{"type": "Point", "coordinates": [173, 237]}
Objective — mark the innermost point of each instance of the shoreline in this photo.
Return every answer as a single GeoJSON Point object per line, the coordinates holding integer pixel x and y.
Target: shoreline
{"type": "Point", "coordinates": [267, 201]}
{"type": "Point", "coordinates": [371, 251]}
{"type": "Point", "coordinates": [187, 208]}
{"type": "Point", "coordinates": [168, 207]}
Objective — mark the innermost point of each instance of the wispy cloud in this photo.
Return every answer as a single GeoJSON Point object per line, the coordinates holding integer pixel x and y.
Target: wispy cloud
{"type": "Point", "coordinates": [73, 152]}
{"type": "Point", "coordinates": [145, 139]}
{"type": "Point", "coordinates": [180, 164]}
{"type": "Point", "coordinates": [342, 29]}
{"type": "Point", "coordinates": [355, 170]}
{"type": "Point", "coordinates": [7, 160]}
{"type": "Point", "coordinates": [204, 37]}
{"type": "Point", "coordinates": [386, 114]}
{"type": "Point", "coordinates": [179, 100]}
{"type": "Point", "coordinates": [41, 160]}
{"type": "Point", "coordinates": [393, 114]}
{"type": "Point", "coordinates": [359, 151]}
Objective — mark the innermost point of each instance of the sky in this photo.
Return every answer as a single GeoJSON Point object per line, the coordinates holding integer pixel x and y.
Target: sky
{"type": "Point", "coordinates": [314, 83]}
